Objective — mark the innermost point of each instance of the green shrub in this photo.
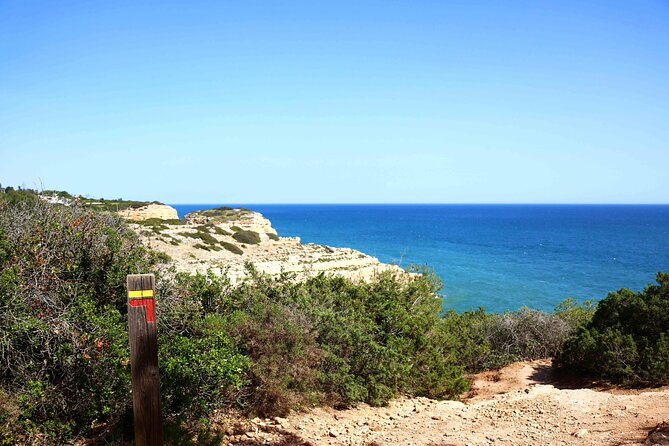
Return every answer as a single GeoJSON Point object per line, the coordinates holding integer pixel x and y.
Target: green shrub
{"type": "Point", "coordinates": [159, 223]}
{"type": "Point", "coordinates": [627, 340]}
{"type": "Point", "coordinates": [220, 214]}
{"type": "Point", "coordinates": [232, 248]}
{"type": "Point", "coordinates": [273, 236]}
{"type": "Point", "coordinates": [575, 314]}
{"type": "Point", "coordinates": [489, 340]}
{"type": "Point", "coordinates": [112, 205]}
{"type": "Point", "coordinates": [11, 197]}
{"type": "Point", "coordinates": [201, 372]}
{"type": "Point", "coordinates": [200, 235]}
{"type": "Point", "coordinates": [250, 237]}
{"type": "Point", "coordinates": [284, 355]}
{"type": "Point", "coordinates": [64, 348]}
{"type": "Point", "coordinates": [471, 332]}
{"type": "Point", "coordinates": [220, 231]}
{"type": "Point", "coordinates": [57, 193]}
{"type": "Point", "coordinates": [347, 342]}
{"type": "Point", "coordinates": [188, 299]}
{"type": "Point", "coordinates": [64, 357]}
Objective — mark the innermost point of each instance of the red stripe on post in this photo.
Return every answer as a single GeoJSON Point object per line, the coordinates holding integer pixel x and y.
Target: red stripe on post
{"type": "Point", "coordinates": [144, 360]}
{"type": "Point", "coordinates": [149, 305]}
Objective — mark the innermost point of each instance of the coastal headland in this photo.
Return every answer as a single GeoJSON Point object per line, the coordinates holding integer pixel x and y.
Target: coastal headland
{"type": "Point", "coordinates": [225, 239]}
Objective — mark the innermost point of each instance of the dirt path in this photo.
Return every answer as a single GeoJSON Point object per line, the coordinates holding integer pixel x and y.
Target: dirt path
{"type": "Point", "coordinates": [518, 405]}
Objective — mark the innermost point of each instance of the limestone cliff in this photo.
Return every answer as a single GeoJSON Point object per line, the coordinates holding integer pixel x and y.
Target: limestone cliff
{"type": "Point", "coordinates": [149, 211]}
{"type": "Point", "coordinates": [229, 218]}
{"type": "Point", "coordinates": [224, 243]}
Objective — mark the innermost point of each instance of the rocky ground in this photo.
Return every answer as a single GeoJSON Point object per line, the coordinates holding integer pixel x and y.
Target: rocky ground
{"type": "Point", "coordinates": [522, 404]}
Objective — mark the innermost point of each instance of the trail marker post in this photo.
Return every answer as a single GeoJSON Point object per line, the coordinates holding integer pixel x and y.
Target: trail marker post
{"type": "Point", "coordinates": [144, 360]}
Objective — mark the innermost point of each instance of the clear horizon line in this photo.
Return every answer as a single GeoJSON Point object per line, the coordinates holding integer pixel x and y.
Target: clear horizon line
{"type": "Point", "coordinates": [424, 203]}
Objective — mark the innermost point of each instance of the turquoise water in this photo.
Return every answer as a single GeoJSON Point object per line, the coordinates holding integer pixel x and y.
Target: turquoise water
{"type": "Point", "coordinates": [497, 256]}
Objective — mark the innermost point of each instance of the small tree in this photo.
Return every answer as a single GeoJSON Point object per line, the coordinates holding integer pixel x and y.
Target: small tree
{"type": "Point", "coordinates": [627, 340]}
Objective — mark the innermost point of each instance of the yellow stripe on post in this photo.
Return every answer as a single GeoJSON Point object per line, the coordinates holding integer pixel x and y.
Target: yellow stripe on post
{"type": "Point", "coordinates": [140, 293]}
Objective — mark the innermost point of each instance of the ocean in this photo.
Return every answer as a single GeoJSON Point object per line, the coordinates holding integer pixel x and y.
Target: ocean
{"type": "Point", "coordinates": [501, 257]}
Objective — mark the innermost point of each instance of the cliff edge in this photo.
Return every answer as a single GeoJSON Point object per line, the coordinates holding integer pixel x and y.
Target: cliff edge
{"type": "Point", "coordinates": [225, 239]}
{"type": "Point", "coordinates": [149, 211]}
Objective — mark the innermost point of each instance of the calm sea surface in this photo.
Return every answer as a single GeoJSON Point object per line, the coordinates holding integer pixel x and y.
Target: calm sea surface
{"type": "Point", "coordinates": [499, 256]}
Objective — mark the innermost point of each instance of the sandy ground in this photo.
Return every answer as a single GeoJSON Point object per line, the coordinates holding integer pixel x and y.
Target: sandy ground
{"type": "Point", "coordinates": [522, 404]}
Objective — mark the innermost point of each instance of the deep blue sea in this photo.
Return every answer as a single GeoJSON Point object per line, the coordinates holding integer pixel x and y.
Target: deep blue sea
{"type": "Point", "coordinates": [500, 257]}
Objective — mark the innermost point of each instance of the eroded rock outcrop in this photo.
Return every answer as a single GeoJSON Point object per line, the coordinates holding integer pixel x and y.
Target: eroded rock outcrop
{"type": "Point", "coordinates": [225, 239]}
{"type": "Point", "coordinates": [152, 210]}
{"type": "Point", "coordinates": [229, 218]}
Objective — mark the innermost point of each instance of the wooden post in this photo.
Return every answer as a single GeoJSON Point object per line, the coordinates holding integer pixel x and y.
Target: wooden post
{"type": "Point", "coordinates": [144, 360]}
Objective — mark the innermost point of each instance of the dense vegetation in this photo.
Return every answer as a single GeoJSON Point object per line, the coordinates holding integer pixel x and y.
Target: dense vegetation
{"type": "Point", "coordinates": [490, 340]}
{"type": "Point", "coordinates": [62, 344]}
{"type": "Point", "coordinates": [627, 339]}
{"type": "Point", "coordinates": [265, 346]}
{"type": "Point", "coordinates": [100, 204]}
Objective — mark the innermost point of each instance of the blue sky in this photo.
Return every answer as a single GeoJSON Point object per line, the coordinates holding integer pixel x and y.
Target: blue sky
{"type": "Point", "coordinates": [315, 102]}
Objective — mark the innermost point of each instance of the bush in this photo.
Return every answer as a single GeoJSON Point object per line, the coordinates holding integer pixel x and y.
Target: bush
{"type": "Point", "coordinates": [64, 356]}
{"type": "Point", "coordinates": [383, 338]}
{"type": "Point", "coordinates": [488, 340]}
{"type": "Point", "coordinates": [200, 372]}
{"type": "Point", "coordinates": [284, 353]}
{"type": "Point", "coordinates": [627, 340]}
{"type": "Point", "coordinates": [63, 348]}
{"type": "Point", "coordinates": [232, 248]}
{"type": "Point", "coordinates": [201, 235]}
{"type": "Point", "coordinates": [11, 197]}
{"type": "Point", "coordinates": [345, 342]}
{"type": "Point", "coordinates": [249, 237]}
{"type": "Point", "coordinates": [158, 224]}
{"type": "Point", "coordinates": [220, 231]}
{"type": "Point", "coordinates": [206, 247]}
{"type": "Point", "coordinates": [273, 236]}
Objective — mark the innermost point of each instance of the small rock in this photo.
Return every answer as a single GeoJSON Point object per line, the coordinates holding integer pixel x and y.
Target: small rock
{"type": "Point", "coordinates": [659, 434]}
{"type": "Point", "coordinates": [580, 433]}
{"type": "Point", "coordinates": [283, 422]}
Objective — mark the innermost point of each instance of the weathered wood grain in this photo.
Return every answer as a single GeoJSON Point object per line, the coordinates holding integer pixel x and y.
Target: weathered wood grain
{"type": "Point", "coordinates": [144, 360]}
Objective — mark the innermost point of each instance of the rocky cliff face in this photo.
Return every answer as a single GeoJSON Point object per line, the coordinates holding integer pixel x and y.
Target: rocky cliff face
{"type": "Point", "coordinates": [228, 219]}
{"type": "Point", "coordinates": [225, 244]}
{"type": "Point", "coordinates": [159, 211]}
